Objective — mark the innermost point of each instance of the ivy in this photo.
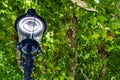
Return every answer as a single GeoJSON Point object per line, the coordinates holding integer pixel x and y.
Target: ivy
{"type": "Point", "coordinates": [79, 44]}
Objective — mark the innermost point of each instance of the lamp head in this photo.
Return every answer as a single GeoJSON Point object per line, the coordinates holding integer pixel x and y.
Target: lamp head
{"type": "Point", "coordinates": [30, 28]}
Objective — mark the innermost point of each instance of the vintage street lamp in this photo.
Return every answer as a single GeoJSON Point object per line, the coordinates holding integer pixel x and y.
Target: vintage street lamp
{"type": "Point", "coordinates": [30, 28]}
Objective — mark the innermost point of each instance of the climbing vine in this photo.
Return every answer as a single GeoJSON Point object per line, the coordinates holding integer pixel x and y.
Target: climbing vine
{"type": "Point", "coordinates": [82, 41]}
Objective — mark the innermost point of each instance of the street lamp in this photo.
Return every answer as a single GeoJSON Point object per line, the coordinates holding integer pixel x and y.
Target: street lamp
{"type": "Point", "coordinates": [30, 28]}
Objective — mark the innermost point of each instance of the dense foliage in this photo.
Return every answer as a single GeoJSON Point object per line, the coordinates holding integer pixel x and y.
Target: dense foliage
{"type": "Point", "coordinates": [78, 45]}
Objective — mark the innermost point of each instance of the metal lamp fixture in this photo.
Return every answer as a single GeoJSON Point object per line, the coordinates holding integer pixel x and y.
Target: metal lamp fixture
{"type": "Point", "coordinates": [30, 28]}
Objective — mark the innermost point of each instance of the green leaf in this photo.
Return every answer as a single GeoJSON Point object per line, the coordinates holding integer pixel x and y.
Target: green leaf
{"type": "Point", "coordinates": [95, 35]}
{"type": "Point", "coordinates": [102, 18]}
{"type": "Point", "coordinates": [56, 78]}
{"type": "Point", "coordinates": [109, 38]}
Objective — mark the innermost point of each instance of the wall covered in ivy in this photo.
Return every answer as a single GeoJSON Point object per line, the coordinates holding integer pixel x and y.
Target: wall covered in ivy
{"type": "Point", "coordinates": [82, 41]}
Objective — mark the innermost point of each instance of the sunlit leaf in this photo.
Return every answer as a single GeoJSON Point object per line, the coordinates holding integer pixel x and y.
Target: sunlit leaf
{"type": "Point", "coordinates": [95, 35]}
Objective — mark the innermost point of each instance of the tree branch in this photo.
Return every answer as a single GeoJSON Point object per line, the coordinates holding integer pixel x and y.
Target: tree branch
{"type": "Point", "coordinates": [84, 75]}
{"type": "Point", "coordinates": [71, 33]}
{"type": "Point", "coordinates": [83, 4]}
